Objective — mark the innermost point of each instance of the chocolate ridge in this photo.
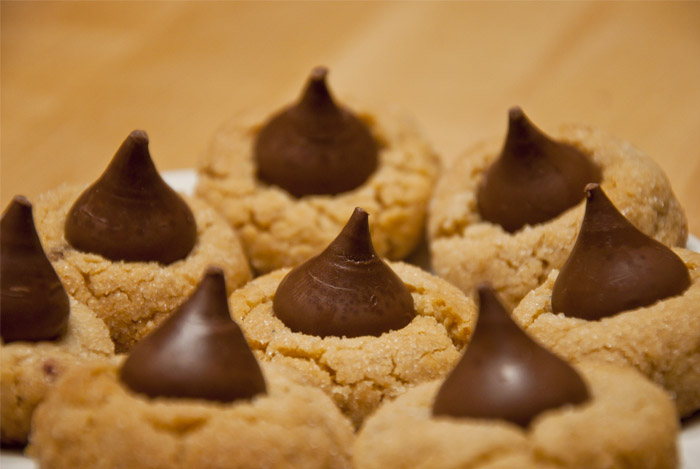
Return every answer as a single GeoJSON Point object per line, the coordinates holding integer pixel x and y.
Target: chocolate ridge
{"type": "Point", "coordinates": [504, 374]}
{"type": "Point", "coordinates": [315, 146]}
{"type": "Point", "coordinates": [614, 267]}
{"type": "Point", "coordinates": [346, 291]}
{"type": "Point", "coordinates": [199, 352]}
{"type": "Point", "coordinates": [534, 179]}
{"type": "Point", "coordinates": [130, 213]}
{"type": "Point", "coordinates": [34, 305]}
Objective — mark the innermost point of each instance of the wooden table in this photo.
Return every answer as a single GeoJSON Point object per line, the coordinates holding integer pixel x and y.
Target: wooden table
{"type": "Point", "coordinates": [78, 77]}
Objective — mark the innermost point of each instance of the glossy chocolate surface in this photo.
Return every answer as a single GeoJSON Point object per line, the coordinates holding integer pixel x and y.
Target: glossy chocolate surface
{"type": "Point", "coordinates": [506, 375]}
{"type": "Point", "coordinates": [347, 290]}
{"type": "Point", "coordinates": [34, 305]}
{"type": "Point", "coordinates": [614, 267]}
{"type": "Point", "coordinates": [130, 213]}
{"type": "Point", "coordinates": [315, 146]}
{"type": "Point", "coordinates": [199, 352]}
{"type": "Point", "coordinates": [534, 179]}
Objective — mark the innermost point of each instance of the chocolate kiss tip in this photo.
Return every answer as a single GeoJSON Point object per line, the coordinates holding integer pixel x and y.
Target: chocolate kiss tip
{"type": "Point", "coordinates": [359, 217]}
{"type": "Point", "coordinates": [214, 270]}
{"type": "Point", "coordinates": [504, 374]}
{"type": "Point", "coordinates": [519, 126]}
{"type": "Point", "coordinates": [319, 73]}
{"type": "Point", "coordinates": [198, 352]}
{"type": "Point", "coordinates": [354, 241]}
{"type": "Point", "coordinates": [590, 187]}
{"type": "Point", "coordinates": [360, 212]}
{"type": "Point", "coordinates": [346, 291]}
{"type": "Point", "coordinates": [139, 136]}
{"type": "Point", "coordinates": [515, 113]}
{"type": "Point", "coordinates": [359, 221]}
{"type": "Point", "coordinates": [316, 97]}
{"type": "Point", "coordinates": [23, 201]}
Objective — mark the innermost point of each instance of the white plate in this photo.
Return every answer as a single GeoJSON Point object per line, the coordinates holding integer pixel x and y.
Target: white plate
{"type": "Point", "coordinates": [184, 180]}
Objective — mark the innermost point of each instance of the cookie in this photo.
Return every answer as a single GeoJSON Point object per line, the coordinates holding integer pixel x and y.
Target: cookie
{"type": "Point", "coordinates": [190, 394]}
{"type": "Point", "coordinates": [466, 249]}
{"type": "Point", "coordinates": [279, 229]}
{"type": "Point", "coordinates": [134, 297]}
{"type": "Point", "coordinates": [628, 423]}
{"type": "Point", "coordinates": [29, 369]}
{"type": "Point", "coordinates": [43, 331]}
{"type": "Point", "coordinates": [359, 373]}
{"type": "Point", "coordinates": [661, 340]}
{"type": "Point", "coordinates": [92, 420]}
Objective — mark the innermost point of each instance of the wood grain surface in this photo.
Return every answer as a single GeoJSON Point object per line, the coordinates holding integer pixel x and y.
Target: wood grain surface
{"type": "Point", "coordinates": [77, 77]}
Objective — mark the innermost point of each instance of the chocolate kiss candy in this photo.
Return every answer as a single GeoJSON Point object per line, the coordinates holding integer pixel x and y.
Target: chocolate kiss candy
{"type": "Point", "coordinates": [347, 290]}
{"type": "Point", "coordinates": [199, 352]}
{"type": "Point", "coordinates": [33, 303]}
{"type": "Point", "coordinates": [130, 213]}
{"type": "Point", "coordinates": [315, 146]}
{"type": "Point", "coordinates": [613, 266]}
{"type": "Point", "coordinates": [534, 179]}
{"type": "Point", "coordinates": [504, 374]}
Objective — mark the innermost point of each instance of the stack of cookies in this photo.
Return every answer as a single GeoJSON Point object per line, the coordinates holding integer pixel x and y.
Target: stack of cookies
{"type": "Point", "coordinates": [269, 320]}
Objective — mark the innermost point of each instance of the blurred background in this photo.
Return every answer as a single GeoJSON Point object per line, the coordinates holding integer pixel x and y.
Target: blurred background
{"type": "Point", "coordinates": [77, 77]}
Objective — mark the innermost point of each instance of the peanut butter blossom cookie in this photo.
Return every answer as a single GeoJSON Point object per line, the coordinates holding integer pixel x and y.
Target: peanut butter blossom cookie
{"type": "Point", "coordinates": [289, 182]}
{"type": "Point", "coordinates": [44, 332]}
{"type": "Point", "coordinates": [510, 403]}
{"type": "Point", "coordinates": [131, 248]}
{"type": "Point", "coordinates": [191, 394]}
{"type": "Point", "coordinates": [360, 329]}
{"type": "Point", "coordinates": [511, 216]}
{"type": "Point", "coordinates": [623, 298]}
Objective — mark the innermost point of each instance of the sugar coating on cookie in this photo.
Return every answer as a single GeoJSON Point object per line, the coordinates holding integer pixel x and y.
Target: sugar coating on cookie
{"type": "Point", "coordinates": [628, 423]}
{"type": "Point", "coordinates": [661, 340]}
{"type": "Point", "coordinates": [280, 230]}
{"type": "Point", "coordinates": [92, 420]}
{"type": "Point", "coordinates": [361, 372]}
{"type": "Point", "coordinates": [30, 368]}
{"type": "Point", "coordinates": [134, 297]}
{"type": "Point", "coordinates": [466, 250]}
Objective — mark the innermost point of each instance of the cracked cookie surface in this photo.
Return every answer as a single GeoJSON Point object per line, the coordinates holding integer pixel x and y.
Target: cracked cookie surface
{"type": "Point", "coordinates": [133, 298]}
{"type": "Point", "coordinates": [361, 372]}
{"type": "Point", "coordinates": [30, 368]}
{"type": "Point", "coordinates": [279, 230]}
{"type": "Point", "coordinates": [662, 340]}
{"type": "Point", "coordinates": [92, 420]}
{"type": "Point", "coordinates": [467, 250]}
{"type": "Point", "coordinates": [628, 423]}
